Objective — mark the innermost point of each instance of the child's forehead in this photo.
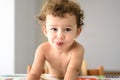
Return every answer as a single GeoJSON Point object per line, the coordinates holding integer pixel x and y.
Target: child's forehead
{"type": "Point", "coordinates": [66, 16]}
{"type": "Point", "coordinates": [68, 20]}
{"type": "Point", "coordinates": [71, 19]}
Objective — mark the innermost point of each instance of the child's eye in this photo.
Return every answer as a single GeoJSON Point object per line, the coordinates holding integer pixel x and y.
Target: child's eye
{"type": "Point", "coordinates": [53, 29]}
{"type": "Point", "coordinates": [67, 29]}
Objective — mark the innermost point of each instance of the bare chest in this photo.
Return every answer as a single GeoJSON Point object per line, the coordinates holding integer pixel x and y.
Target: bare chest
{"type": "Point", "coordinates": [59, 63]}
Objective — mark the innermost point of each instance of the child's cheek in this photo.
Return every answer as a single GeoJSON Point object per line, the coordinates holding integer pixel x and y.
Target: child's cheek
{"type": "Point", "coordinates": [52, 38]}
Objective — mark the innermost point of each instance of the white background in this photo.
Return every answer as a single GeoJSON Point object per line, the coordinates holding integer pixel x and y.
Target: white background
{"type": "Point", "coordinates": [6, 36]}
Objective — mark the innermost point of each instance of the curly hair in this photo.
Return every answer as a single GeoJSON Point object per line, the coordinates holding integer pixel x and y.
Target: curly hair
{"type": "Point", "coordinates": [60, 8]}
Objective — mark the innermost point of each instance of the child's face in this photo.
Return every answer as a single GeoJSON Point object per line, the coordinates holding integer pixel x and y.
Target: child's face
{"type": "Point", "coordinates": [61, 31]}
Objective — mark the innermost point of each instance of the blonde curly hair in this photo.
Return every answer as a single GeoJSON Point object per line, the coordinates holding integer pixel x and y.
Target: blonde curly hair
{"type": "Point", "coordinates": [60, 8]}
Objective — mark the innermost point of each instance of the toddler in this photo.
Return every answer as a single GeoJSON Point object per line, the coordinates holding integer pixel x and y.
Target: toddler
{"type": "Point", "coordinates": [61, 22]}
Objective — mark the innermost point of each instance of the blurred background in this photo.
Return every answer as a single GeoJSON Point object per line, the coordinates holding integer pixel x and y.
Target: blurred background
{"type": "Point", "coordinates": [20, 34]}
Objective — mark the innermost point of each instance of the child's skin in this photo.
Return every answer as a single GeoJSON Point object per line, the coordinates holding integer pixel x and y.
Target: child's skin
{"type": "Point", "coordinates": [63, 54]}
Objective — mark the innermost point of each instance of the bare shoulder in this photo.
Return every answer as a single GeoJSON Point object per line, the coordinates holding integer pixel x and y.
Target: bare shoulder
{"type": "Point", "coordinates": [78, 48]}
{"type": "Point", "coordinates": [77, 56]}
{"type": "Point", "coordinates": [77, 51]}
{"type": "Point", "coordinates": [43, 48]}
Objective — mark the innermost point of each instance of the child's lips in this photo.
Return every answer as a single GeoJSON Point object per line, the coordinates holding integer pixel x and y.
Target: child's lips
{"type": "Point", "coordinates": [59, 43]}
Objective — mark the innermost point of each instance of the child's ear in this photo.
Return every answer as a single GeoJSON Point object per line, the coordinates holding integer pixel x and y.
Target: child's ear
{"type": "Point", "coordinates": [78, 32]}
{"type": "Point", "coordinates": [44, 31]}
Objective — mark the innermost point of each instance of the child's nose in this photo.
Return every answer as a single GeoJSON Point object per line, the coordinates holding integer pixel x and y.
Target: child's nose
{"type": "Point", "coordinates": [60, 35]}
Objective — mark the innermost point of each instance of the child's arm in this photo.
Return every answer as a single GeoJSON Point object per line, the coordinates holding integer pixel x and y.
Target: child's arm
{"type": "Point", "coordinates": [37, 67]}
{"type": "Point", "coordinates": [74, 66]}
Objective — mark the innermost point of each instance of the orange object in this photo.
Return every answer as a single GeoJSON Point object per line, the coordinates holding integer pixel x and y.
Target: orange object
{"type": "Point", "coordinates": [98, 71]}
{"type": "Point", "coordinates": [87, 79]}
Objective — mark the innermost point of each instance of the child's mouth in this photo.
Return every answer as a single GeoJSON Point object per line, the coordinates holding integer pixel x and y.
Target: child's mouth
{"type": "Point", "coordinates": [59, 43]}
